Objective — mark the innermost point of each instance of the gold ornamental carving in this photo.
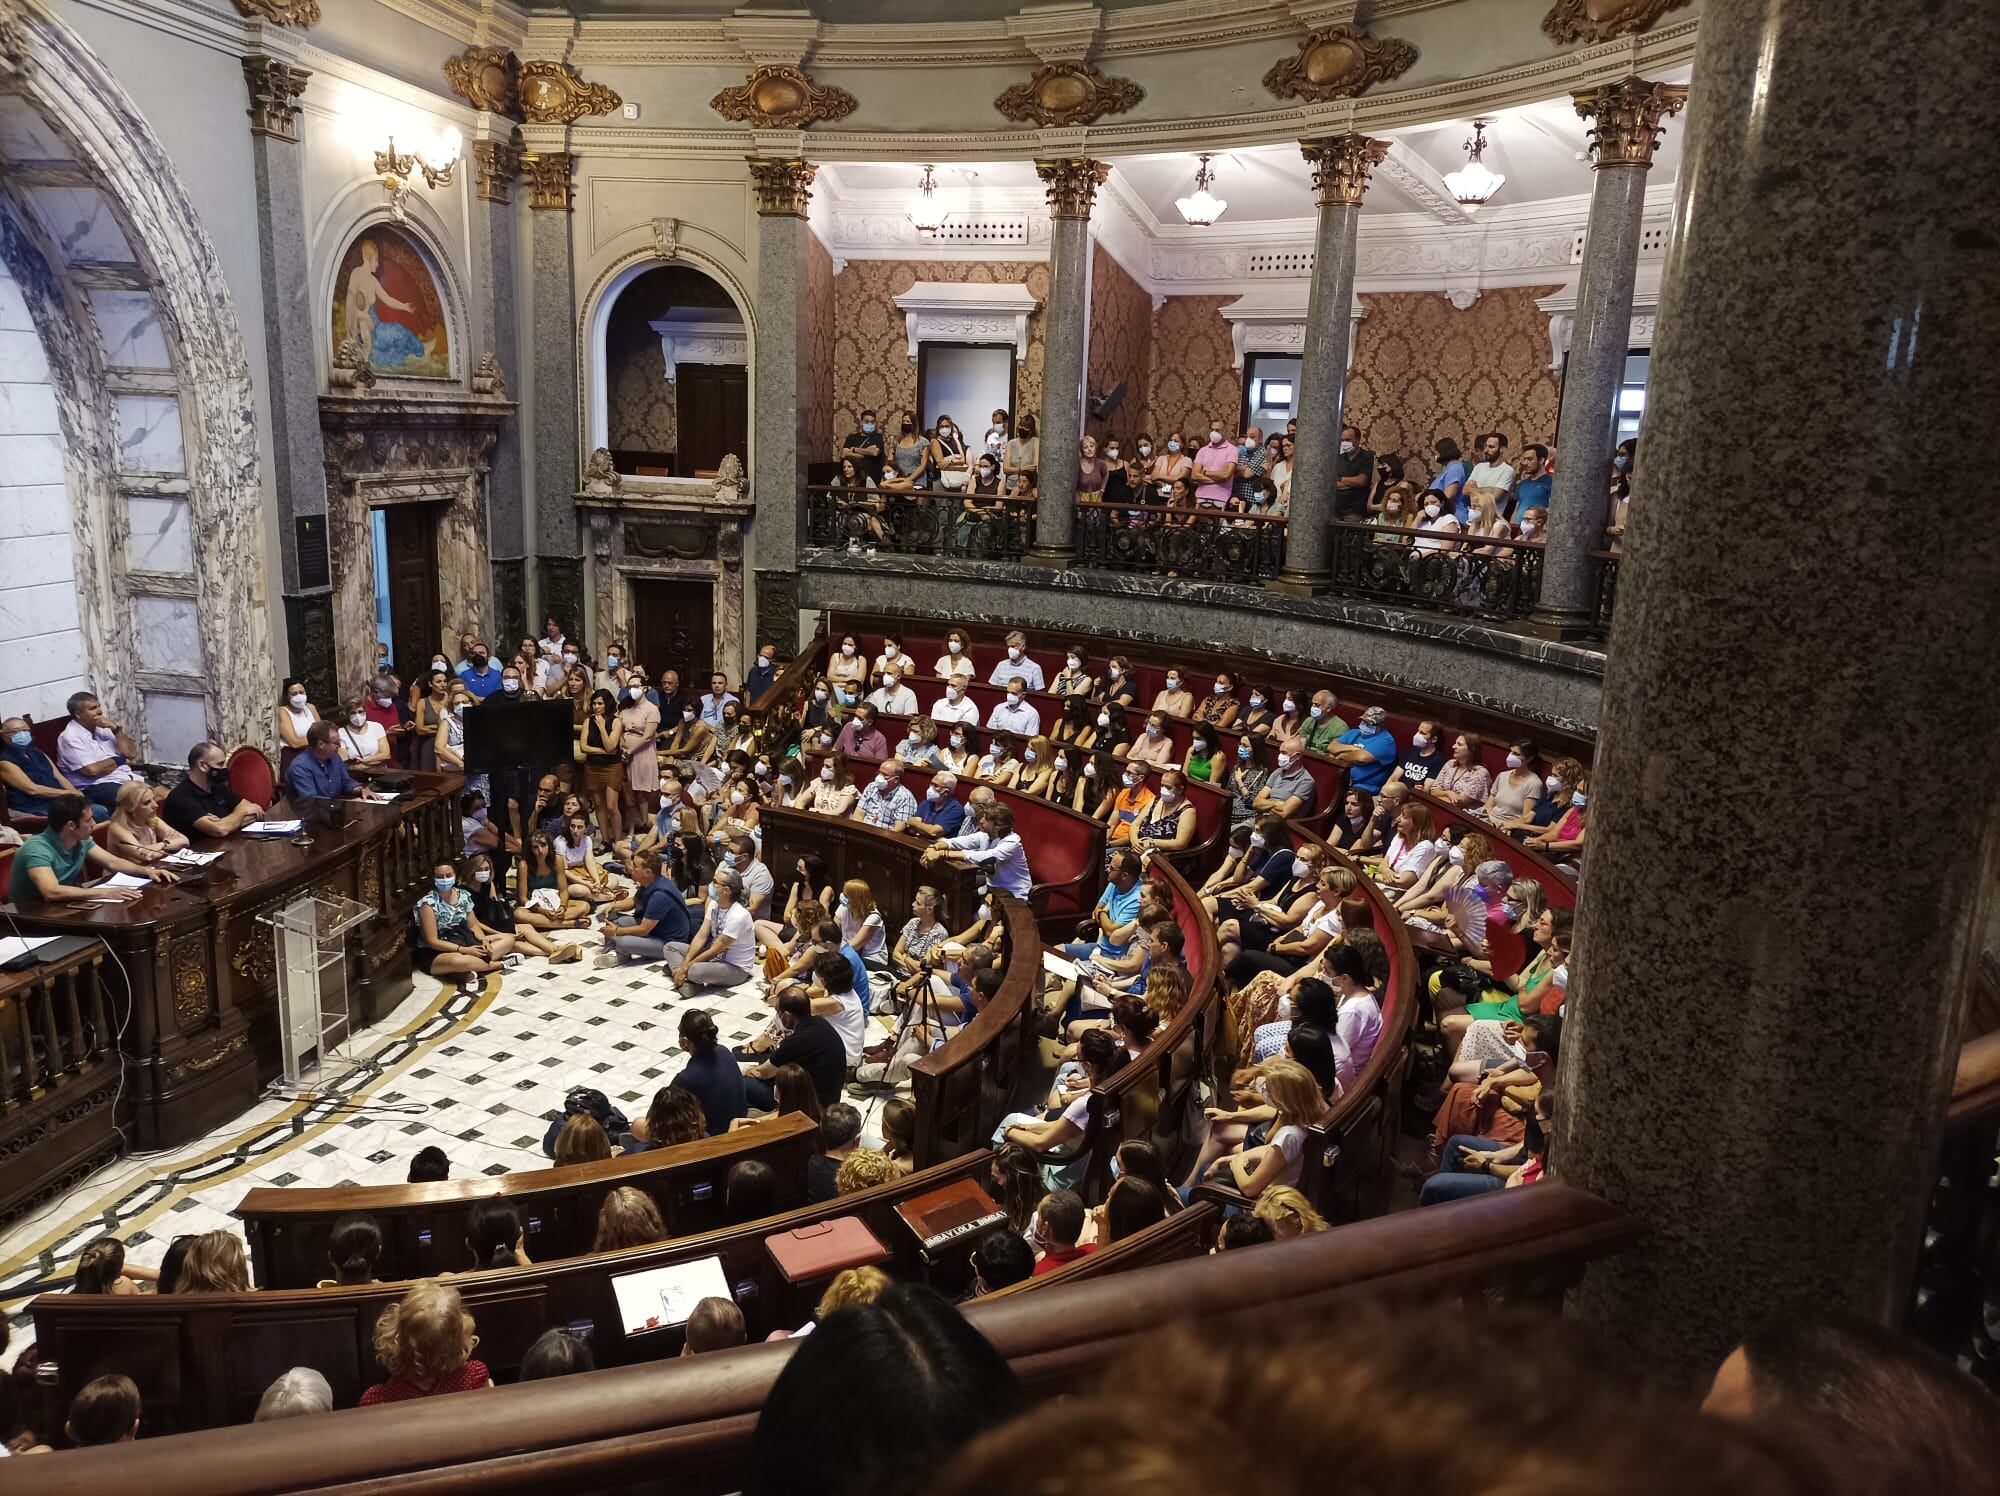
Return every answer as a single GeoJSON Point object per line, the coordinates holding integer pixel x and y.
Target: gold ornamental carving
{"type": "Point", "coordinates": [1072, 184]}
{"type": "Point", "coordinates": [371, 860]}
{"type": "Point", "coordinates": [208, 1061]}
{"type": "Point", "coordinates": [1068, 93]}
{"type": "Point", "coordinates": [552, 94]}
{"type": "Point", "coordinates": [548, 180]}
{"type": "Point", "coordinates": [1338, 62]}
{"type": "Point", "coordinates": [274, 97]}
{"type": "Point", "coordinates": [784, 187]}
{"type": "Point", "coordinates": [781, 97]}
{"type": "Point", "coordinates": [300, 13]}
{"type": "Point", "coordinates": [1603, 20]}
{"type": "Point", "coordinates": [487, 78]}
{"type": "Point", "coordinates": [1341, 167]}
{"type": "Point", "coordinates": [1628, 117]}
{"type": "Point", "coordinates": [255, 958]}
{"type": "Point", "coordinates": [190, 979]}
{"type": "Point", "coordinates": [496, 163]}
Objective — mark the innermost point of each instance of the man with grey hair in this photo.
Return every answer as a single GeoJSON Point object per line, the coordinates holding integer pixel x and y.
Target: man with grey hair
{"type": "Point", "coordinates": [1016, 662]}
{"type": "Point", "coordinates": [1324, 724]}
{"type": "Point", "coordinates": [886, 803]}
{"type": "Point", "coordinates": [724, 949]}
{"type": "Point", "coordinates": [1369, 751]}
{"type": "Point", "coordinates": [300, 1390]}
{"type": "Point", "coordinates": [938, 813]}
{"type": "Point", "coordinates": [1290, 790]}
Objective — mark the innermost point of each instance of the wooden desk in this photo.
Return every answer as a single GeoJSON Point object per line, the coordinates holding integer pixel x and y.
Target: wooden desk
{"type": "Point", "coordinates": [203, 1034]}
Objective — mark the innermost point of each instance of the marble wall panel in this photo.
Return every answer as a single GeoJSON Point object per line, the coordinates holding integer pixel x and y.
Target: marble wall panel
{"type": "Point", "coordinates": [32, 460]}
{"type": "Point", "coordinates": [21, 356]}
{"type": "Point", "coordinates": [149, 434]}
{"type": "Point", "coordinates": [25, 136]}
{"type": "Point", "coordinates": [160, 535]}
{"type": "Point", "coordinates": [128, 324]}
{"type": "Point", "coordinates": [169, 634]}
{"type": "Point", "coordinates": [34, 510]}
{"type": "Point", "coordinates": [27, 409]}
{"type": "Point", "coordinates": [465, 579]}
{"type": "Point", "coordinates": [14, 315]}
{"type": "Point", "coordinates": [81, 222]}
{"type": "Point", "coordinates": [174, 724]}
{"type": "Point", "coordinates": [39, 607]}
{"type": "Point", "coordinates": [817, 432]}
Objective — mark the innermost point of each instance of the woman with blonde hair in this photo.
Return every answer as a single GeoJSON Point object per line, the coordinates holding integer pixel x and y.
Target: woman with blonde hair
{"type": "Point", "coordinates": [1289, 1212]}
{"type": "Point", "coordinates": [136, 831]}
{"type": "Point", "coordinates": [1167, 991]}
{"type": "Point", "coordinates": [1296, 1103]}
{"type": "Point", "coordinates": [1483, 520]}
{"type": "Point", "coordinates": [1425, 897]}
{"type": "Point", "coordinates": [849, 1289]}
{"type": "Point", "coordinates": [425, 1342]}
{"type": "Point", "coordinates": [861, 924]}
{"type": "Point", "coordinates": [215, 1263]}
{"type": "Point", "coordinates": [628, 1218]}
{"type": "Point", "coordinates": [1411, 851]}
{"type": "Point", "coordinates": [1037, 768]}
{"type": "Point", "coordinates": [581, 1141]}
{"type": "Point", "coordinates": [863, 1169]}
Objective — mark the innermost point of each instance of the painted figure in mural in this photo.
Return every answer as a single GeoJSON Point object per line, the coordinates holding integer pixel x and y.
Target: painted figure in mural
{"type": "Point", "coordinates": [388, 343]}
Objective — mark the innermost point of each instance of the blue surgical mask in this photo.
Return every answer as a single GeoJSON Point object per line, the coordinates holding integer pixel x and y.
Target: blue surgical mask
{"type": "Point", "coordinates": [20, 739]}
{"type": "Point", "coordinates": [1316, 714]}
{"type": "Point", "coordinates": [445, 884]}
{"type": "Point", "coordinates": [1243, 752]}
{"type": "Point", "coordinates": [611, 662]}
{"type": "Point", "coordinates": [1117, 1170]}
{"type": "Point", "coordinates": [869, 427]}
{"type": "Point", "coordinates": [1579, 799]}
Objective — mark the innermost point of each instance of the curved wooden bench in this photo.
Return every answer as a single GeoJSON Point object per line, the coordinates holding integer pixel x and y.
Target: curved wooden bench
{"type": "Point", "coordinates": [886, 862]}
{"type": "Point", "coordinates": [1558, 885]}
{"type": "Point", "coordinates": [423, 1225]}
{"type": "Point", "coordinates": [1181, 1235]}
{"type": "Point", "coordinates": [962, 1088]}
{"type": "Point", "coordinates": [203, 1360]}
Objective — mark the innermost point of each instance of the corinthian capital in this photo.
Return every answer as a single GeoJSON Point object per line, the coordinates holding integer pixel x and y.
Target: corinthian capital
{"type": "Point", "coordinates": [1341, 167]}
{"type": "Point", "coordinates": [784, 187]}
{"type": "Point", "coordinates": [548, 174]}
{"type": "Point", "coordinates": [1629, 116]}
{"type": "Point", "coordinates": [1072, 184]}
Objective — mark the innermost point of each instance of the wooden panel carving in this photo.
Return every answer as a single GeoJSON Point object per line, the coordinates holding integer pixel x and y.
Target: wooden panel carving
{"type": "Point", "coordinates": [186, 958]}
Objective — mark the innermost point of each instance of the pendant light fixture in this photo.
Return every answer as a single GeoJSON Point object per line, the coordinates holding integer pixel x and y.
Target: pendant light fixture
{"type": "Point", "coordinates": [927, 212]}
{"type": "Point", "coordinates": [1472, 184]}
{"type": "Point", "coordinates": [1202, 207]}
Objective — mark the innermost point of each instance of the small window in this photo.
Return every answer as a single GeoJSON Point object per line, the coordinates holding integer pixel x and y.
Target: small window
{"type": "Point", "coordinates": [1278, 392]}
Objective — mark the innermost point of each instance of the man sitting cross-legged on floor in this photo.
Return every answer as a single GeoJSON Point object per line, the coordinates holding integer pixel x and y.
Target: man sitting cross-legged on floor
{"type": "Point", "coordinates": [659, 916]}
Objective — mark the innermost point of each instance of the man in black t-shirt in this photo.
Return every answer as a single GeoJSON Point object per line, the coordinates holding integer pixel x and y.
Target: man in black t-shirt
{"type": "Point", "coordinates": [865, 447]}
{"type": "Point", "coordinates": [811, 1043]}
{"type": "Point", "coordinates": [1353, 476]}
{"type": "Point", "coordinates": [1426, 754]}
{"type": "Point", "coordinates": [203, 804]}
{"type": "Point", "coordinates": [839, 1135]}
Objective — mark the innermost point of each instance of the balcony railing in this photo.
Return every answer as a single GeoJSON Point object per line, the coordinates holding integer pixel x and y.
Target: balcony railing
{"type": "Point", "coordinates": [921, 522]}
{"type": "Point", "coordinates": [1207, 544]}
{"type": "Point", "coordinates": [1484, 578]}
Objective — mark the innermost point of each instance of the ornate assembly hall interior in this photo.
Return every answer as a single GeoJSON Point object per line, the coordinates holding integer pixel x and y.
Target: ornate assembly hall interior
{"type": "Point", "coordinates": [850, 745]}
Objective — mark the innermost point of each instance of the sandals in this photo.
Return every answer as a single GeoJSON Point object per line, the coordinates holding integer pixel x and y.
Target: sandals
{"type": "Point", "coordinates": [562, 955]}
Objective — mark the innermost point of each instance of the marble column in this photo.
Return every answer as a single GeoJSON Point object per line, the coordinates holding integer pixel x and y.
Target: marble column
{"type": "Point", "coordinates": [779, 376]}
{"type": "Point", "coordinates": [558, 459]}
{"type": "Point", "coordinates": [1770, 953]}
{"type": "Point", "coordinates": [1341, 167]}
{"type": "Point", "coordinates": [496, 324]}
{"type": "Point", "coordinates": [1628, 117]}
{"type": "Point", "coordinates": [297, 453]}
{"type": "Point", "coordinates": [1072, 185]}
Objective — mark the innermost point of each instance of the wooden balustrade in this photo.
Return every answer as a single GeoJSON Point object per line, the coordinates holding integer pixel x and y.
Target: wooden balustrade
{"type": "Point", "coordinates": [59, 1075]}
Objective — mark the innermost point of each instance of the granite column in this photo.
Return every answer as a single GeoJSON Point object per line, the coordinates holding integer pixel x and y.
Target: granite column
{"type": "Point", "coordinates": [1780, 897]}
{"type": "Point", "coordinates": [1341, 166]}
{"type": "Point", "coordinates": [783, 394]}
{"type": "Point", "coordinates": [497, 332]}
{"type": "Point", "coordinates": [297, 450]}
{"type": "Point", "coordinates": [1072, 185]}
{"type": "Point", "coordinates": [558, 458]}
{"type": "Point", "coordinates": [1628, 116]}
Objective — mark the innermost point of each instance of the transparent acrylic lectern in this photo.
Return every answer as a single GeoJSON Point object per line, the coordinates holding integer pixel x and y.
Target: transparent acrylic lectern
{"type": "Point", "coordinates": [310, 934]}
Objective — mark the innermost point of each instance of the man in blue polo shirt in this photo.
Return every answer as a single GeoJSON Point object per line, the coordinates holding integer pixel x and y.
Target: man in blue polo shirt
{"type": "Point", "coordinates": [1369, 751]}
{"type": "Point", "coordinates": [481, 676]}
{"type": "Point", "coordinates": [938, 813]}
{"type": "Point", "coordinates": [659, 915]}
{"type": "Point", "coordinates": [1117, 914]}
{"type": "Point", "coordinates": [318, 773]}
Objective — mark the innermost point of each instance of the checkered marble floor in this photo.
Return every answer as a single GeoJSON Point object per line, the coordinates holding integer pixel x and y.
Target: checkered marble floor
{"type": "Point", "coordinates": [478, 1076]}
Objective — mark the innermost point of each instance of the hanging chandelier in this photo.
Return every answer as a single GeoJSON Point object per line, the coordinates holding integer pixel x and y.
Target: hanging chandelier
{"type": "Point", "coordinates": [1472, 184]}
{"type": "Point", "coordinates": [1202, 207]}
{"type": "Point", "coordinates": [927, 213]}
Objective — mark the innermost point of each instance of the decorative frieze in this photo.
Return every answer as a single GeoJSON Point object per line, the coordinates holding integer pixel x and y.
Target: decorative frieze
{"type": "Point", "coordinates": [1628, 117]}
{"type": "Point", "coordinates": [781, 97]}
{"type": "Point", "coordinates": [1067, 93]}
{"type": "Point", "coordinates": [487, 78]}
{"type": "Point", "coordinates": [552, 93]}
{"type": "Point", "coordinates": [967, 312]}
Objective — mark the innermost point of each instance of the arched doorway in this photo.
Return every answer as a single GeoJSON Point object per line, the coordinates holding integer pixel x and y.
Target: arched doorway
{"type": "Point", "coordinates": [155, 414]}
{"type": "Point", "coordinates": [673, 373]}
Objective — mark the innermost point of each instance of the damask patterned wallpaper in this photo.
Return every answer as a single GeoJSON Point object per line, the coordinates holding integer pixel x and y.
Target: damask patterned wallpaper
{"type": "Point", "coordinates": [1191, 377]}
{"type": "Point", "coordinates": [1423, 369]}
{"type": "Point", "coordinates": [872, 368]}
{"type": "Point", "coordinates": [819, 435]}
{"type": "Point", "coordinates": [639, 396]}
{"type": "Point", "coordinates": [1121, 344]}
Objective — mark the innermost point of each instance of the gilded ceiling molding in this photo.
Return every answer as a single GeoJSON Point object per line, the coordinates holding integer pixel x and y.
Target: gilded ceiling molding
{"type": "Point", "coordinates": [1338, 62]}
{"type": "Point", "coordinates": [1628, 116]}
{"type": "Point", "coordinates": [778, 96]}
{"type": "Point", "coordinates": [300, 13]}
{"type": "Point", "coordinates": [548, 180]}
{"type": "Point", "coordinates": [1072, 184]}
{"type": "Point", "coordinates": [784, 187]}
{"type": "Point", "coordinates": [274, 97]}
{"type": "Point", "coordinates": [1603, 20]}
{"type": "Point", "coordinates": [552, 94]}
{"type": "Point", "coordinates": [487, 78]}
{"type": "Point", "coordinates": [1341, 167]}
{"type": "Point", "coordinates": [1068, 93]}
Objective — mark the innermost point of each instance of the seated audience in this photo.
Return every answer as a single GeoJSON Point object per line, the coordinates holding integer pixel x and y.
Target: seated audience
{"type": "Point", "coordinates": [556, 1353]}
{"type": "Point", "coordinates": [354, 1249]}
{"type": "Point", "coordinates": [864, 1169]}
{"type": "Point", "coordinates": [104, 1411]}
{"type": "Point", "coordinates": [30, 778]}
{"type": "Point", "coordinates": [297, 1392]}
{"type": "Point", "coordinates": [215, 1262]}
{"type": "Point", "coordinates": [495, 1236]}
{"type": "Point", "coordinates": [810, 1043]}
{"type": "Point", "coordinates": [723, 951]}
{"type": "Point", "coordinates": [1131, 1206]}
{"type": "Point", "coordinates": [582, 1140]}
{"type": "Point", "coordinates": [448, 939]}
{"type": "Point", "coordinates": [749, 1192]}
{"type": "Point", "coordinates": [659, 917]}
{"type": "Point", "coordinates": [715, 1325]}
{"type": "Point", "coordinates": [1000, 1260]}
{"type": "Point", "coordinates": [994, 846]}
{"type": "Point", "coordinates": [675, 1116]}
{"type": "Point", "coordinates": [49, 865]}
{"type": "Point", "coordinates": [1289, 1213]}
{"type": "Point", "coordinates": [628, 1218]}
{"type": "Point", "coordinates": [429, 1166]}
{"type": "Point", "coordinates": [839, 1136]}
{"type": "Point", "coordinates": [136, 831]}
{"type": "Point", "coordinates": [425, 1341]}
{"type": "Point", "coordinates": [95, 753]}
{"type": "Point", "coordinates": [1017, 663]}
{"type": "Point", "coordinates": [1061, 1223]}
{"type": "Point", "coordinates": [1296, 1102]}
{"type": "Point", "coordinates": [1472, 1165]}
{"type": "Point", "coordinates": [318, 773]}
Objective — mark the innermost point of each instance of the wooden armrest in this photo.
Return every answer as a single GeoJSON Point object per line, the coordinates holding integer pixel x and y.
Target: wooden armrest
{"type": "Point", "coordinates": [1223, 1196]}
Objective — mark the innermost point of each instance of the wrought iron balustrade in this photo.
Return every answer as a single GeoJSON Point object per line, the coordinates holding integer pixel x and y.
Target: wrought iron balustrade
{"type": "Point", "coordinates": [920, 522]}
{"type": "Point", "coordinates": [1207, 544]}
{"type": "Point", "coordinates": [1473, 575]}
{"type": "Point", "coordinates": [1606, 563]}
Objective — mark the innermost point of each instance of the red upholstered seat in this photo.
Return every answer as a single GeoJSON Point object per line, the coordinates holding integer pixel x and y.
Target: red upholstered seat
{"type": "Point", "coordinates": [251, 775]}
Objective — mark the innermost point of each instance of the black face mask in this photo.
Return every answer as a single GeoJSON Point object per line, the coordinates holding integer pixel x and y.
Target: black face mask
{"type": "Point", "coordinates": [218, 779]}
{"type": "Point", "coordinates": [480, 660]}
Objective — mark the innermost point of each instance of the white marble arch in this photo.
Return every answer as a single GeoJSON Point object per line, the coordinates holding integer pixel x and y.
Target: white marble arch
{"type": "Point", "coordinates": [603, 296]}
{"type": "Point", "coordinates": [115, 152]}
{"type": "Point", "coordinates": [353, 211]}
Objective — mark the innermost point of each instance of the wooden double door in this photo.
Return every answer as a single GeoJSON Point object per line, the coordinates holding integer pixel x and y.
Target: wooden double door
{"type": "Point", "coordinates": [712, 412]}
{"type": "Point", "coordinates": [409, 540]}
{"type": "Point", "coordinates": [673, 627]}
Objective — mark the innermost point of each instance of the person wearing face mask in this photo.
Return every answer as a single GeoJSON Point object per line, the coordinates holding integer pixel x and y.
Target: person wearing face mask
{"type": "Point", "coordinates": [1154, 747]}
{"type": "Point", "coordinates": [1131, 803]}
{"type": "Point", "coordinates": [1219, 706]}
{"type": "Point", "coordinates": [30, 776]}
{"type": "Point", "coordinates": [1249, 770]}
{"type": "Point", "coordinates": [1420, 762]}
{"type": "Point", "coordinates": [1562, 838]}
{"type": "Point", "coordinates": [1015, 713]}
{"type": "Point", "coordinates": [1253, 460]}
{"type": "Point", "coordinates": [887, 801]}
{"type": "Point", "coordinates": [1291, 790]}
{"type": "Point", "coordinates": [1175, 698]}
{"type": "Point", "coordinates": [1258, 713]}
{"type": "Point", "coordinates": [448, 746]}
{"type": "Point", "coordinates": [1369, 751]}
{"type": "Point", "coordinates": [956, 706]}
{"type": "Point", "coordinates": [893, 695]}
{"type": "Point", "coordinates": [611, 675]}
{"type": "Point", "coordinates": [203, 804]}
{"type": "Point", "coordinates": [1119, 688]}
{"type": "Point", "coordinates": [448, 940]}
{"type": "Point", "coordinates": [949, 457]}
{"type": "Point", "coordinates": [1353, 478]}
{"type": "Point", "coordinates": [865, 447]}
{"type": "Point", "coordinates": [1515, 788]}
{"type": "Point", "coordinates": [919, 746]}
{"type": "Point", "coordinates": [1122, 481]}
{"type": "Point", "coordinates": [384, 705]}
{"type": "Point", "coordinates": [1169, 824]}
{"type": "Point", "coordinates": [1534, 526]}
{"type": "Point", "coordinates": [958, 748]}
{"type": "Point", "coordinates": [1074, 679]}
{"type": "Point", "coordinates": [690, 740]}
{"type": "Point", "coordinates": [295, 715]}
{"type": "Point", "coordinates": [938, 814]}
{"type": "Point", "coordinates": [639, 743]}
{"type": "Point", "coordinates": [762, 675]}
{"type": "Point", "coordinates": [361, 741]}
{"type": "Point", "coordinates": [1021, 457]}
{"type": "Point", "coordinates": [1214, 467]}
{"type": "Point", "coordinates": [860, 737]}
{"type": "Point", "coordinates": [1449, 484]}
{"type": "Point", "coordinates": [1016, 662]}
{"type": "Point", "coordinates": [481, 672]}
{"type": "Point", "coordinates": [495, 911]}
{"type": "Point", "coordinates": [1170, 463]}
{"type": "Point", "coordinates": [1620, 510]}
{"type": "Point", "coordinates": [318, 773]}
{"type": "Point", "coordinates": [1435, 520]}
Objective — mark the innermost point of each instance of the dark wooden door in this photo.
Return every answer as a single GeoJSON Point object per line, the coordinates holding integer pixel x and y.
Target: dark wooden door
{"type": "Point", "coordinates": [673, 627]}
{"type": "Point", "coordinates": [712, 407]}
{"type": "Point", "coordinates": [416, 616]}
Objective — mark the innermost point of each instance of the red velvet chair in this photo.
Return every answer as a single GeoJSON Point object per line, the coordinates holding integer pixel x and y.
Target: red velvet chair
{"type": "Point", "coordinates": [251, 775]}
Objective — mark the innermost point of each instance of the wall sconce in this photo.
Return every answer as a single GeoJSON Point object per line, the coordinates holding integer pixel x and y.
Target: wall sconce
{"type": "Point", "coordinates": [434, 159]}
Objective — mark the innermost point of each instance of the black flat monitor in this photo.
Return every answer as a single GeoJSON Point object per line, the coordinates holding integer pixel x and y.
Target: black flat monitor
{"type": "Point", "coordinates": [518, 735]}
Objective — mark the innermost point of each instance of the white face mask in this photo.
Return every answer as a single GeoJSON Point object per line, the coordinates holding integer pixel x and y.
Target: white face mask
{"type": "Point", "coordinates": [954, 647]}
{"type": "Point", "coordinates": [1090, 771]}
{"type": "Point", "coordinates": [1579, 799]}
{"type": "Point", "coordinates": [913, 736]}
{"type": "Point", "coordinates": [1291, 706]}
{"type": "Point", "coordinates": [1284, 760]}
{"type": "Point", "coordinates": [1167, 794]}
{"type": "Point", "coordinates": [888, 682]}
{"type": "Point", "coordinates": [1221, 688]}
{"type": "Point", "coordinates": [1075, 663]}
{"type": "Point", "coordinates": [1145, 449]}
{"type": "Point", "coordinates": [1013, 652]}
{"type": "Point", "coordinates": [1457, 856]}
{"type": "Point", "coordinates": [847, 649]}
{"type": "Point", "coordinates": [1419, 741]}
{"type": "Point", "coordinates": [1256, 700]}
{"type": "Point", "coordinates": [737, 797]}
{"type": "Point", "coordinates": [1104, 719]}
{"type": "Point", "coordinates": [955, 693]}
{"type": "Point", "coordinates": [1257, 840]}
{"type": "Point", "coordinates": [1433, 510]}
{"type": "Point", "coordinates": [1114, 672]}
{"type": "Point", "coordinates": [1527, 527]}
{"type": "Point", "coordinates": [1061, 762]}
{"type": "Point", "coordinates": [1112, 453]}
{"type": "Point", "coordinates": [819, 694]}
{"type": "Point", "coordinates": [826, 774]}
{"type": "Point", "coordinates": [1214, 436]}
{"type": "Point", "coordinates": [1552, 784]}
{"type": "Point", "coordinates": [298, 700]}
{"type": "Point", "coordinates": [358, 719]}
{"type": "Point", "coordinates": [1131, 781]}
{"type": "Point", "coordinates": [1346, 448]}
{"type": "Point", "coordinates": [1513, 760]}
{"type": "Point", "coordinates": [569, 657]}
